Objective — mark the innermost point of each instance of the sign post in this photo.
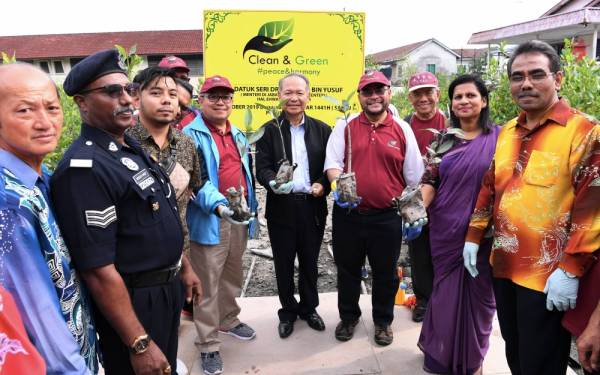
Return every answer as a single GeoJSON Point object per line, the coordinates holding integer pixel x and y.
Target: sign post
{"type": "Point", "coordinates": [254, 49]}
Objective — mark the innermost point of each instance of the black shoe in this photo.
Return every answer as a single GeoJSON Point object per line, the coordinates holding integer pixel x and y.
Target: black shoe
{"type": "Point", "coordinates": [285, 329]}
{"type": "Point", "coordinates": [383, 335]}
{"type": "Point", "coordinates": [418, 314]}
{"type": "Point", "coordinates": [314, 321]}
{"type": "Point", "coordinates": [345, 330]}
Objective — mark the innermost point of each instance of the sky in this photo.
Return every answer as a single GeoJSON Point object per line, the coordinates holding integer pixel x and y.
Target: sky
{"type": "Point", "coordinates": [389, 23]}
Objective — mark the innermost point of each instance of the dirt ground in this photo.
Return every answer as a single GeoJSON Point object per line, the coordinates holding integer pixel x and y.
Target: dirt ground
{"type": "Point", "coordinates": [261, 281]}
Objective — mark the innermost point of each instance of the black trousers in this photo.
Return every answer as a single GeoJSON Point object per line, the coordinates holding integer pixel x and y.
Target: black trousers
{"type": "Point", "coordinates": [536, 342]}
{"type": "Point", "coordinates": [421, 266]}
{"type": "Point", "coordinates": [378, 237]}
{"type": "Point", "coordinates": [158, 308]}
{"type": "Point", "coordinates": [302, 236]}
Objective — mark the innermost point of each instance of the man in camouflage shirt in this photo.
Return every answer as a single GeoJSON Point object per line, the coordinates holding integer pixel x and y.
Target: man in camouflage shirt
{"type": "Point", "coordinates": [173, 150]}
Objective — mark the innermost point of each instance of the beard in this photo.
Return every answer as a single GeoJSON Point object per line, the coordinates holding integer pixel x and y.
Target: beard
{"type": "Point", "coordinates": [371, 113]}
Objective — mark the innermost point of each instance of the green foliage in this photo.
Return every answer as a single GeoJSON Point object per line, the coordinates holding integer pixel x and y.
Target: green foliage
{"type": "Point", "coordinates": [581, 82]}
{"type": "Point", "coordinates": [7, 59]}
{"type": "Point", "coordinates": [70, 130]}
{"type": "Point", "coordinates": [130, 59]}
{"type": "Point", "coordinates": [502, 106]}
{"type": "Point", "coordinates": [370, 63]}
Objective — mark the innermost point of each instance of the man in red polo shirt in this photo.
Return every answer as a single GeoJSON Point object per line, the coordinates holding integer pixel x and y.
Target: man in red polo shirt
{"type": "Point", "coordinates": [386, 159]}
{"type": "Point", "coordinates": [424, 95]}
{"type": "Point", "coordinates": [217, 241]}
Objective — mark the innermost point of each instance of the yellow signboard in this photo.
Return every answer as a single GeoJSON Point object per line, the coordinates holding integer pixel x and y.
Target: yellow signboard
{"type": "Point", "coordinates": [254, 49]}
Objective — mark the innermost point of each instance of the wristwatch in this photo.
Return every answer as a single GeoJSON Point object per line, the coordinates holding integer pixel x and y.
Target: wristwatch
{"type": "Point", "coordinates": [140, 344]}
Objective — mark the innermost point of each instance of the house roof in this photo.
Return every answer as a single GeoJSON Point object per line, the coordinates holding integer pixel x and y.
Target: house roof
{"type": "Point", "coordinates": [554, 27]}
{"type": "Point", "coordinates": [564, 6]}
{"type": "Point", "coordinates": [401, 52]}
{"type": "Point", "coordinates": [470, 53]}
{"type": "Point", "coordinates": [80, 45]}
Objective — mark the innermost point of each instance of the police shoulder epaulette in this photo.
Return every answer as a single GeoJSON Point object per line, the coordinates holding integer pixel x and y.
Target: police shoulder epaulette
{"type": "Point", "coordinates": [84, 156]}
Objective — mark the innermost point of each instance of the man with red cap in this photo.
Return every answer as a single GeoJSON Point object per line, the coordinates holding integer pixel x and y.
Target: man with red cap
{"type": "Point", "coordinates": [382, 152]}
{"type": "Point", "coordinates": [217, 241]}
{"type": "Point", "coordinates": [176, 64]}
{"type": "Point", "coordinates": [424, 95]}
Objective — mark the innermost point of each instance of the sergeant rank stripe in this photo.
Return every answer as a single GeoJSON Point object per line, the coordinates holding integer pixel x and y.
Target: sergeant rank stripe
{"type": "Point", "coordinates": [101, 219]}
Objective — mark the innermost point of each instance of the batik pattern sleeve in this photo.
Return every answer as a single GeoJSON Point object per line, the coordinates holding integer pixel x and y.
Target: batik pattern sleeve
{"type": "Point", "coordinates": [584, 235]}
{"type": "Point", "coordinates": [482, 215]}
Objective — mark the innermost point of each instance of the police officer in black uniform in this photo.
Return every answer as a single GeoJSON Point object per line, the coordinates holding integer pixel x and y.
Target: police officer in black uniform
{"type": "Point", "coordinates": [118, 215]}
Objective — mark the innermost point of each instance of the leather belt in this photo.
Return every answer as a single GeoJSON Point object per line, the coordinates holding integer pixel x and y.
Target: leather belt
{"type": "Point", "coordinates": [151, 278]}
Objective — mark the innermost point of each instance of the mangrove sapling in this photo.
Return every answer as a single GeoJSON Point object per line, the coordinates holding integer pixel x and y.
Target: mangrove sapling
{"type": "Point", "coordinates": [346, 182]}
{"type": "Point", "coordinates": [285, 172]}
{"type": "Point", "coordinates": [410, 203]}
{"type": "Point", "coordinates": [236, 197]}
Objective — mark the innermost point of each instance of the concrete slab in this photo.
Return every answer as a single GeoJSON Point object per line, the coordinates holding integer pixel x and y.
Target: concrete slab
{"type": "Point", "coordinates": [308, 352]}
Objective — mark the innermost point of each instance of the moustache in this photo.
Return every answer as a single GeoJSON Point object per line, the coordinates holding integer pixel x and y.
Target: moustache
{"type": "Point", "coordinates": [527, 94]}
{"type": "Point", "coordinates": [122, 110]}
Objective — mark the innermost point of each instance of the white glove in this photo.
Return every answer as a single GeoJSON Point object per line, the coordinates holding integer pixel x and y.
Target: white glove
{"type": "Point", "coordinates": [226, 214]}
{"type": "Point", "coordinates": [470, 258]}
{"type": "Point", "coordinates": [283, 188]}
{"type": "Point", "coordinates": [561, 291]}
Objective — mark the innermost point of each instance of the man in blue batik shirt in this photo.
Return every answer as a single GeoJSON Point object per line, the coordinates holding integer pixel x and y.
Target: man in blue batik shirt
{"type": "Point", "coordinates": [35, 265]}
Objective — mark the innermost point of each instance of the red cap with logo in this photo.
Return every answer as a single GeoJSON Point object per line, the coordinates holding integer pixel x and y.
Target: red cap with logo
{"type": "Point", "coordinates": [216, 81]}
{"type": "Point", "coordinates": [373, 76]}
{"type": "Point", "coordinates": [173, 62]}
{"type": "Point", "coordinates": [421, 80]}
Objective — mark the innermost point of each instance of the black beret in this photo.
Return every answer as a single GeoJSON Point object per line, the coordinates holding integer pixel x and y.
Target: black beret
{"type": "Point", "coordinates": [91, 68]}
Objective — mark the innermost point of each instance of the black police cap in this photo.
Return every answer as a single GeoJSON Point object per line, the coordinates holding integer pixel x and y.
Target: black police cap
{"type": "Point", "coordinates": [91, 68]}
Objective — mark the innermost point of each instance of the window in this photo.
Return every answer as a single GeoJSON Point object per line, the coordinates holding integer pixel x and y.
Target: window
{"type": "Point", "coordinates": [45, 66]}
{"type": "Point", "coordinates": [431, 68]}
{"type": "Point", "coordinates": [58, 67]}
{"type": "Point", "coordinates": [74, 61]}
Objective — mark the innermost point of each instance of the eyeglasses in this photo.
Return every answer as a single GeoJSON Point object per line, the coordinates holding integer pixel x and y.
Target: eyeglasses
{"type": "Point", "coordinates": [378, 91]}
{"type": "Point", "coordinates": [115, 90]}
{"type": "Point", "coordinates": [535, 77]}
{"type": "Point", "coordinates": [214, 98]}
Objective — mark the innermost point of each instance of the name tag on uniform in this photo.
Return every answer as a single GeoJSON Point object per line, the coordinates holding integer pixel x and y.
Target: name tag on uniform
{"type": "Point", "coordinates": [143, 179]}
{"type": "Point", "coordinates": [81, 163]}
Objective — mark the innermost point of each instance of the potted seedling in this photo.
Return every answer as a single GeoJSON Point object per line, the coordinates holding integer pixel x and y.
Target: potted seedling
{"type": "Point", "coordinates": [346, 182]}
{"type": "Point", "coordinates": [285, 172]}
{"type": "Point", "coordinates": [410, 203]}
{"type": "Point", "coordinates": [236, 196]}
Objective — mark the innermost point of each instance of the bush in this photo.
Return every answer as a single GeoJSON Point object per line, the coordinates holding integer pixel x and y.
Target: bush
{"type": "Point", "coordinates": [70, 131]}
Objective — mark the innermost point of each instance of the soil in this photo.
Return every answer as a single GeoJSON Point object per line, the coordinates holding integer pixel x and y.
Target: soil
{"type": "Point", "coordinates": [262, 281]}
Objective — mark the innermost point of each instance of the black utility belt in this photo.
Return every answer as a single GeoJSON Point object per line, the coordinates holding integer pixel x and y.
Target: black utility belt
{"type": "Point", "coordinates": [151, 278]}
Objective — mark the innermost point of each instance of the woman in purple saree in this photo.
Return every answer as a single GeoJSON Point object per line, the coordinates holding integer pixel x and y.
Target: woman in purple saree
{"type": "Point", "coordinates": [458, 322]}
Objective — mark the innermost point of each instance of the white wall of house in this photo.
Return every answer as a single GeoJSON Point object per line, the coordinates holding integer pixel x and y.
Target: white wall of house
{"type": "Point", "coordinates": [433, 54]}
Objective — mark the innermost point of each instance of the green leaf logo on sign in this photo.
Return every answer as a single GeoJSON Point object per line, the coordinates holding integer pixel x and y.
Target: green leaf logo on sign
{"type": "Point", "coordinates": [272, 36]}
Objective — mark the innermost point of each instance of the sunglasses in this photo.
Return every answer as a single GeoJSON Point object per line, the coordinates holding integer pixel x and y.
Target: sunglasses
{"type": "Point", "coordinates": [115, 90]}
{"type": "Point", "coordinates": [377, 91]}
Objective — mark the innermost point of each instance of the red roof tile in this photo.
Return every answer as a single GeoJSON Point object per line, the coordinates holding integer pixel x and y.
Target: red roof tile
{"type": "Point", "coordinates": [80, 45]}
{"type": "Point", "coordinates": [396, 53]}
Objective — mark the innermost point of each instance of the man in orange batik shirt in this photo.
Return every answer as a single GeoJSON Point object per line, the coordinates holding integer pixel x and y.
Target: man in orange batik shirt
{"type": "Point", "coordinates": [542, 195]}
